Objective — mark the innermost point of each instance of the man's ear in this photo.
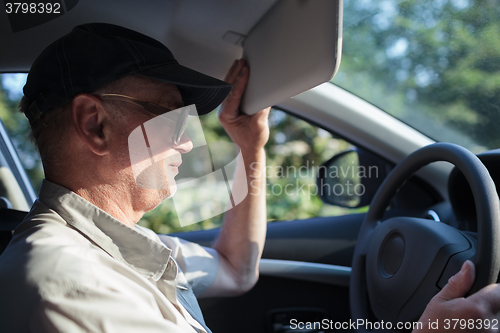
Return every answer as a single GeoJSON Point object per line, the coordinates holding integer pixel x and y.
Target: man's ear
{"type": "Point", "coordinates": [89, 118]}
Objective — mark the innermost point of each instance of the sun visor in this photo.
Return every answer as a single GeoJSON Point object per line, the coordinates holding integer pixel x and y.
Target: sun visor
{"type": "Point", "coordinates": [295, 47]}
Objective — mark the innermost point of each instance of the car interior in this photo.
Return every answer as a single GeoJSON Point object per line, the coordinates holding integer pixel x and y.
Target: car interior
{"type": "Point", "coordinates": [377, 255]}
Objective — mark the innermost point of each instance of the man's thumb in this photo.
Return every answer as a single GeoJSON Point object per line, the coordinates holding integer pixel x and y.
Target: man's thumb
{"type": "Point", "coordinates": [459, 284]}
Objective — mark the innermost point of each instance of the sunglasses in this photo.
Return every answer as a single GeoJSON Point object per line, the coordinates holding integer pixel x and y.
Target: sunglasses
{"type": "Point", "coordinates": [179, 118]}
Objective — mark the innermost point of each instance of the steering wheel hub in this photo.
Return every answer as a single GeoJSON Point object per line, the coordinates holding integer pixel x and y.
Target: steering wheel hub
{"type": "Point", "coordinates": [397, 279]}
{"type": "Point", "coordinates": [391, 254]}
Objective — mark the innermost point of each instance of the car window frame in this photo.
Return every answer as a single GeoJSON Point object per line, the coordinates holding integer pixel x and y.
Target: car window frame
{"type": "Point", "coordinates": [10, 153]}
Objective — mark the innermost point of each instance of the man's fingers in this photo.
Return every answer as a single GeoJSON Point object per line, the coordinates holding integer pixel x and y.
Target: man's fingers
{"type": "Point", "coordinates": [233, 72]}
{"type": "Point", "coordinates": [232, 103]}
{"type": "Point", "coordinates": [459, 284]}
{"type": "Point", "coordinates": [239, 83]}
{"type": "Point", "coordinates": [230, 71]}
{"type": "Point", "coordinates": [238, 76]}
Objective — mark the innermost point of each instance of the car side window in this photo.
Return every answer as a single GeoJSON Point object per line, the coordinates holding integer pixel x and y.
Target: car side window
{"type": "Point", "coordinates": [295, 152]}
{"type": "Point", "coordinates": [20, 166]}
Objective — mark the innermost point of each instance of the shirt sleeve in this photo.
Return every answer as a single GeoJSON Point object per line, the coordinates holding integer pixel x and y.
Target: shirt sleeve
{"type": "Point", "coordinates": [198, 263]}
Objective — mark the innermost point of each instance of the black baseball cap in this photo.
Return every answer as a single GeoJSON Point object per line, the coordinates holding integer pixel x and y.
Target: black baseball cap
{"type": "Point", "coordinates": [96, 54]}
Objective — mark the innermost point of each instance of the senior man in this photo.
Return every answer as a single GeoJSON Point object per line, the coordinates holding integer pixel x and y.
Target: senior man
{"type": "Point", "coordinates": [79, 262]}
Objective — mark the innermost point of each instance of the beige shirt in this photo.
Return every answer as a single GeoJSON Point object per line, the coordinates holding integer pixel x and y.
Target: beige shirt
{"type": "Point", "coordinates": [71, 267]}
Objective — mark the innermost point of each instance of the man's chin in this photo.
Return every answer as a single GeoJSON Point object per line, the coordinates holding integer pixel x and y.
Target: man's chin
{"type": "Point", "coordinates": [159, 196]}
{"type": "Point", "coordinates": [170, 191]}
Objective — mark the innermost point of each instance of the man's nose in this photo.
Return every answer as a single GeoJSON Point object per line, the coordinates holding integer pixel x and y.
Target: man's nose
{"type": "Point", "coordinates": [185, 144]}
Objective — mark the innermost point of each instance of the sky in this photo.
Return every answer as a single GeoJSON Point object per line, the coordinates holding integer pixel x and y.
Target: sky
{"type": "Point", "coordinates": [14, 84]}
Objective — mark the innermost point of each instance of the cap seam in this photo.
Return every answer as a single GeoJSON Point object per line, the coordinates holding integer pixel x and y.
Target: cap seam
{"type": "Point", "coordinates": [95, 29]}
{"type": "Point", "coordinates": [124, 42]}
{"type": "Point", "coordinates": [62, 73]}
{"type": "Point", "coordinates": [68, 72]}
{"type": "Point", "coordinates": [138, 52]}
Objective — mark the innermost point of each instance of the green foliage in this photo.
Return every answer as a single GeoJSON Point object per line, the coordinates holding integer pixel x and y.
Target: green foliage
{"type": "Point", "coordinates": [432, 63]}
{"type": "Point", "coordinates": [294, 152]}
{"type": "Point", "coordinates": [295, 147]}
{"type": "Point", "coordinates": [18, 128]}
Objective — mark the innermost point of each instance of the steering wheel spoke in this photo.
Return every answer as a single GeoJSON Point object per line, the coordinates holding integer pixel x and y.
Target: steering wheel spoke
{"type": "Point", "coordinates": [455, 263]}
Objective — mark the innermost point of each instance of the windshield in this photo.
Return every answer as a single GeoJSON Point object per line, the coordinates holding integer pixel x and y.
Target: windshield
{"type": "Point", "coordinates": [434, 64]}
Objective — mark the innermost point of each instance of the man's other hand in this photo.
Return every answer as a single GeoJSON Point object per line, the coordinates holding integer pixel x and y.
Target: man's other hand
{"type": "Point", "coordinates": [450, 305]}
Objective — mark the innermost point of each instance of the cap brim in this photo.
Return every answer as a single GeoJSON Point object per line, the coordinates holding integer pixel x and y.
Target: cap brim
{"type": "Point", "coordinates": [206, 92]}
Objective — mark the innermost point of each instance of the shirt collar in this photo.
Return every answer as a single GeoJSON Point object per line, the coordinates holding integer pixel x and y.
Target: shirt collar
{"type": "Point", "coordinates": [145, 255]}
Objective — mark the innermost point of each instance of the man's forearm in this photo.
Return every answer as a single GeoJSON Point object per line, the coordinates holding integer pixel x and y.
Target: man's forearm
{"type": "Point", "coordinates": [243, 233]}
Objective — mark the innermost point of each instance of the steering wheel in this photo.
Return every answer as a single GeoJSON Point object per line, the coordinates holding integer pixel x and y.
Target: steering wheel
{"type": "Point", "coordinates": [401, 263]}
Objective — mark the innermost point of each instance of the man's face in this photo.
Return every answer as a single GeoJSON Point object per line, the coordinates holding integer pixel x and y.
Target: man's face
{"type": "Point", "coordinates": [151, 159]}
{"type": "Point", "coordinates": [154, 153]}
